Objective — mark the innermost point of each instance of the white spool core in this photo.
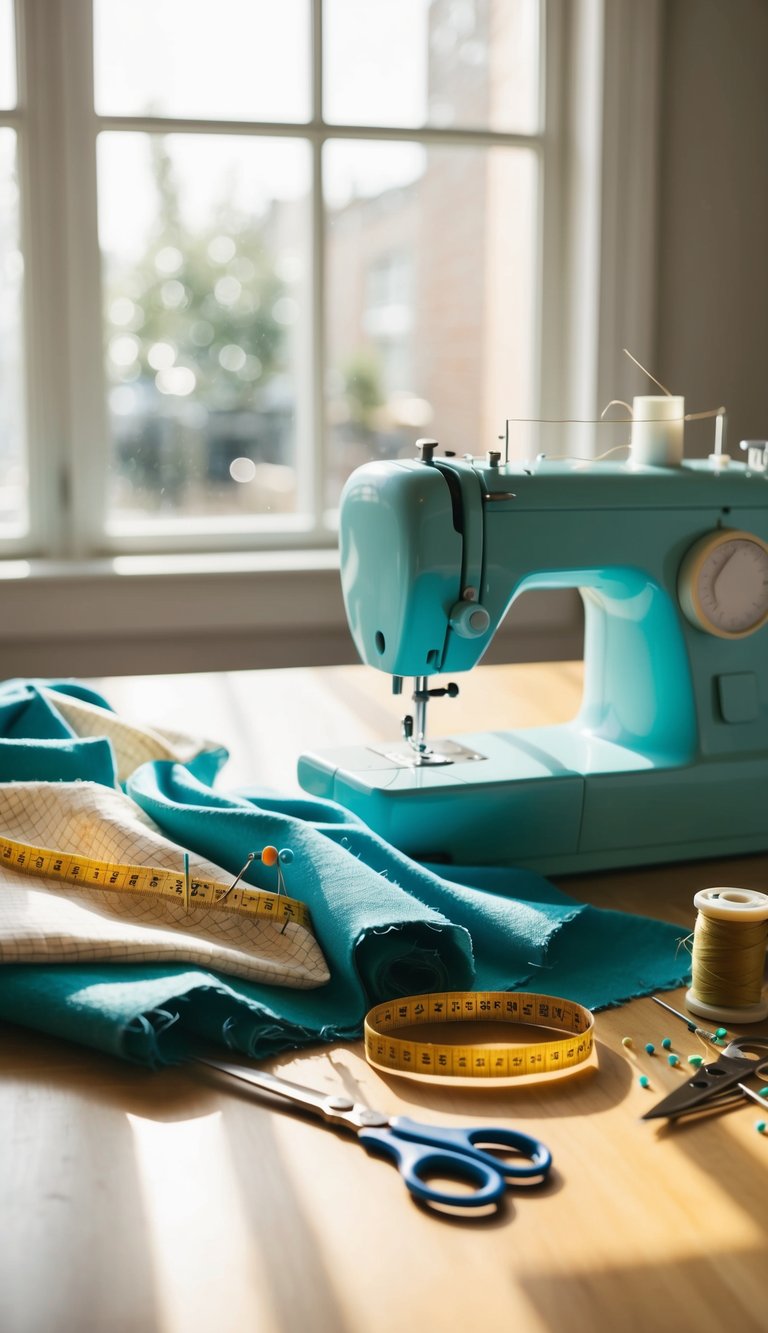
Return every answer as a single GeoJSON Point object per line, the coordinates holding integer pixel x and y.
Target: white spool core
{"type": "Point", "coordinates": [658, 423]}
{"type": "Point", "coordinates": [730, 904]}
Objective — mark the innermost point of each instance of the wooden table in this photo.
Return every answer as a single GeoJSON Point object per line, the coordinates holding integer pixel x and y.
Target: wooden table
{"type": "Point", "coordinates": [157, 1201]}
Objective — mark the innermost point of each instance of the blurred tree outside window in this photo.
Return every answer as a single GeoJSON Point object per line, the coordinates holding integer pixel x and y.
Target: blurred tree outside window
{"type": "Point", "coordinates": [198, 357]}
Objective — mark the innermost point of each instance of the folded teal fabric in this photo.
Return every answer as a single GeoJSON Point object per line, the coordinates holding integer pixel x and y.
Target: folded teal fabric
{"type": "Point", "coordinates": [387, 926]}
{"type": "Point", "coordinates": [35, 738]}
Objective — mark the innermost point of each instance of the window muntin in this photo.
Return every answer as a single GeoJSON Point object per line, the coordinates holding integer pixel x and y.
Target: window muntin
{"type": "Point", "coordinates": [232, 60]}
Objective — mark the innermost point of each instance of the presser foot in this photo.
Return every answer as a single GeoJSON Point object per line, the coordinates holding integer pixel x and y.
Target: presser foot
{"type": "Point", "coordinates": [426, 757]}
{"type": "Point", "coordinates": [421, 754]}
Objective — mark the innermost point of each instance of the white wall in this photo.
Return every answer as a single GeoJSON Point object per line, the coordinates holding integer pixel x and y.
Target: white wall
{"type": "Point", "coordinates": [712, 308]}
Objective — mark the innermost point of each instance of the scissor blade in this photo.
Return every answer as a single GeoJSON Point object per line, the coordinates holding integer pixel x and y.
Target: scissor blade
{"type": "Point", "coordinates": [334, 1109]}
{"type": "Point", "coordinates": [259, 1078]}
{"type": "Point", "coordinates": [703, 1088]}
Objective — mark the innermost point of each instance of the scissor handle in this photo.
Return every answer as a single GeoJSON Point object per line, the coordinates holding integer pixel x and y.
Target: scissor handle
{"type": "Point", "coordinates": [739, 1044]}
{"type": "Point", "coordinates": [420, 1150]}
{"type": "Point", "coordinates": [415, 1161]}
{"type": "Point", "coordinates": [741, 1047]}
{"type": "Point", "coordinates": [538, 1158]}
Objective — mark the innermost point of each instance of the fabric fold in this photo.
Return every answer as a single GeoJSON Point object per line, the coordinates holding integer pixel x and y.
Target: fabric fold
{"type": "Point", "coordinates": [386, 925]}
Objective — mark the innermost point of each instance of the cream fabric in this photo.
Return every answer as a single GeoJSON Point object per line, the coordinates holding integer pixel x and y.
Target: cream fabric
{"type": "Point", "coordinates": [44, 920]}
{"type": "Point", "coordinates": [132, 744]}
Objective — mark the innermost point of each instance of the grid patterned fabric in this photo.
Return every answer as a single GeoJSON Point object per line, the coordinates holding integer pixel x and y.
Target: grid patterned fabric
{"type": "Point", "coordinates": [45, 920]}
{"type": "Point", "coordinates": [133, 745]}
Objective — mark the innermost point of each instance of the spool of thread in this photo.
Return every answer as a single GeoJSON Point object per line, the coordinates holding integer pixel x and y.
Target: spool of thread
{"type": "Point", "coordinates": [729, 943]}
{"type": "Point", "coordinates": [658, 423]}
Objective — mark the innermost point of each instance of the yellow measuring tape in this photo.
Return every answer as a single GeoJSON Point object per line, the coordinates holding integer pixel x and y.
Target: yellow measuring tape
{"type": "Point", "coordinates": [189, 890]}
{"type": "Point", "coordinates": [494, 1060]}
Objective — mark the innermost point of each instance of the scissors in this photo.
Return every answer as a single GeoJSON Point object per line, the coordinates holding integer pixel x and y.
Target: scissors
{"type": "Point", "coordinates": [418, 1150]}
{"type": "Point", "coordinates": [714, 1084]}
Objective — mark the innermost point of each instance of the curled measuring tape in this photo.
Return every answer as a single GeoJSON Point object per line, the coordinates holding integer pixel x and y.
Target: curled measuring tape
{"type": "Point", "coordinates": [504, 1059]}
{"type": "Point", "coordinates": [188, 890]}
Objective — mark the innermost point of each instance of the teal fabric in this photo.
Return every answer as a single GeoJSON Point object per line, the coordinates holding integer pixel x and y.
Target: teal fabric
{"type": "Point", "coordinates": [387, 926]}
{"type": "Point", "coordinates": [88, 760]}
{"type": "Point", "coordinates": [37, 743]}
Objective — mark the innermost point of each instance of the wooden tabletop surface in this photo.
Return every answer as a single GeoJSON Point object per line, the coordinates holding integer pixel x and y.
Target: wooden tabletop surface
{"type": "Point", "coordinates": [162, 1203]}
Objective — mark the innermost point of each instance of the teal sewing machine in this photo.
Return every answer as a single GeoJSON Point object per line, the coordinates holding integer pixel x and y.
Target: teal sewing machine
{"type": "Point", "coordinates": [668, 756]}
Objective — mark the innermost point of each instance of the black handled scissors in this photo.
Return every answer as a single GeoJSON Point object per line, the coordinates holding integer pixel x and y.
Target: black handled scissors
{"type": "Point", "coordinates": [712, 1083]}
{"type": "Point", "coordinates": [418, 1150]}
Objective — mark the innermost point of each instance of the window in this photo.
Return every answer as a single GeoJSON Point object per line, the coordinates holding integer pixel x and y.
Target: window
{"type": "Point", "coordinates": [293, 237]}
{"type": "Point", "coordinates": [246, 246]}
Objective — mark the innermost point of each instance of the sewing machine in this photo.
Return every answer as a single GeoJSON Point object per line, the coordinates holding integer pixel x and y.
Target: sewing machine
{"type": "Point", "coordinates": [668, 756]}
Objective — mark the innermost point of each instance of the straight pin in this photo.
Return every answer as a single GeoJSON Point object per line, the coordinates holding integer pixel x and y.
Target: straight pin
{"type": "Point", "coordinates": [236, 881]}
{"type": "Point", "coordinates": [691, 1026]}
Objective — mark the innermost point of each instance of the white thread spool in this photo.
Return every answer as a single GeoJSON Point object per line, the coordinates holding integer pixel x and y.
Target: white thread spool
{"type": "Point", "coordinates": [733, 906]}
{"type": "Point", "coordinates": [658, 424]}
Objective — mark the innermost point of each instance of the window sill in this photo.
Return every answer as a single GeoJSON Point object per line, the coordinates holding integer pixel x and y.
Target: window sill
{"type": "Point", "coordinates": [131, 615]}
{"type": "Point", "coordinates": [173, 565]}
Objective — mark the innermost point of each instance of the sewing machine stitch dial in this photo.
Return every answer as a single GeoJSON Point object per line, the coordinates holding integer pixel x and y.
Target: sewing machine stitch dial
{"type": "Point", "coordinates": [723, 584]}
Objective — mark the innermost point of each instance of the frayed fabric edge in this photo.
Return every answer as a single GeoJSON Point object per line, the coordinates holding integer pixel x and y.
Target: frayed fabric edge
{"type": "Point", "coordinates": [168, 1035]}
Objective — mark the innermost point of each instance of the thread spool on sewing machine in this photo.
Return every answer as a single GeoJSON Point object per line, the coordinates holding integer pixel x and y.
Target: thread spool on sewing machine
{"type": "Point", "coordinates": [658, 425]}
{"type": "Point", "coordinates": [667, 757]}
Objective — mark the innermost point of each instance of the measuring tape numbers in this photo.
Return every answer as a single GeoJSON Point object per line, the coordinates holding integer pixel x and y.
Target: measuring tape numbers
{"type": "Point", "coordinates": [387, 1051]}
{"type": "Point", "coordinates": [189, 890]}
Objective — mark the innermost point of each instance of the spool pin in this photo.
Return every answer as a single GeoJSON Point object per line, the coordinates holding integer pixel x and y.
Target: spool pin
{"type": "Point", "coordinates": [735, 907]}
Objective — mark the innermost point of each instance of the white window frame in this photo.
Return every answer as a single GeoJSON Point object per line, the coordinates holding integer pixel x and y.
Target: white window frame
{"type": "Point", "coordinates": [71, 604]}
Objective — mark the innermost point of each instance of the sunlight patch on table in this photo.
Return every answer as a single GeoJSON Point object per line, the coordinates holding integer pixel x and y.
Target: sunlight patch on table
{"type": "Point", "coordinates": [198, 1235]}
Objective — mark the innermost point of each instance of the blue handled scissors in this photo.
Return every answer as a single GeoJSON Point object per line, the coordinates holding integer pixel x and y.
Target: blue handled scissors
{"type": "Point", "coordinates": [418, 1150]}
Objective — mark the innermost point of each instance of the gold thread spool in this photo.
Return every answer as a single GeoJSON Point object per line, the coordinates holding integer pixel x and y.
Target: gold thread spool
{"type": "Point", "coordinates": [729, 943]}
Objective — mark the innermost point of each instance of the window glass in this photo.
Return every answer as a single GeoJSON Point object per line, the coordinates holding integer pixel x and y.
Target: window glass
{"type": "Point", "coordinates": [205, 268]}
{"type": "Point", "coordinates": [7, 56]}
{"type": "Point", "coordinates": [232, 60]}
{"type": "Point", "coordinates": [429, 282]}
{"type": "Point", "coordinates": [443, 63]}
{"type": "Point", "coordinates": [430, 271]}
{"type": "Point", "coordinates": [13, 477]}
